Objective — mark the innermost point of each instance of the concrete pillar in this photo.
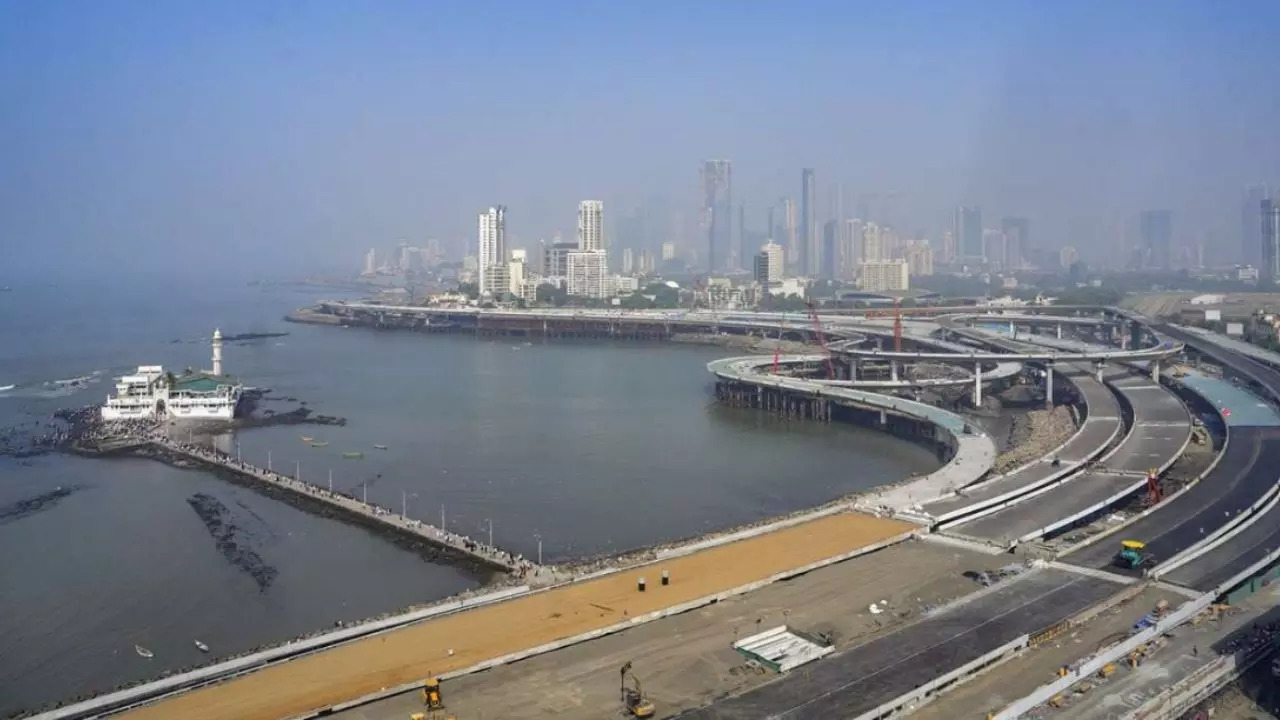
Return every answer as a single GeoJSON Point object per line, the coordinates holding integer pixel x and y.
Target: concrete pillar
{"type": "Point", "coordinates": [1048, 386]}
{"type": "Point", "coordinates": [977, 384]}
{"type": "Point", "coordinates": [1155, 371]}
{"type": "Point", "coordinates": [893, 370]}
{"type": "Point", "coordinates": [1098, 366]}
{"type": "Point", "coordinates": [1059, 331]}
{"type": "Point", "coordinates": [1013, 330]}
{"type": "Point", "coordinates": [853, 368]}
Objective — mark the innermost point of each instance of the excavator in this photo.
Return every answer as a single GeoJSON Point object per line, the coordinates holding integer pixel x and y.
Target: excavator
{"type": "Point", "coordinates": [634, 701]}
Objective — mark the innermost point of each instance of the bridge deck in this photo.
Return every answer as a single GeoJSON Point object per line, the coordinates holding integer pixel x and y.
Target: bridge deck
{"type": "Point", "coordinates": [473, 636]}
{"type": "Point", "coordinates": [1248, 467]}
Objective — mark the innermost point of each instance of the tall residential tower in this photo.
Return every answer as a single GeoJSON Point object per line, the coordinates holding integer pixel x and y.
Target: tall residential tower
{"type": "Point", "coordinates": [716, 214]}
{"type": "Point", "coordinates": [493, 251]}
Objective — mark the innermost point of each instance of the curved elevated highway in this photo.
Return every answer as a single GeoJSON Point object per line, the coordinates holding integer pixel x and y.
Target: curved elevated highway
{"type": "Point", "coordinates": [1160, 432]}
{"type": "Point", "coordinates": [1247, 470]}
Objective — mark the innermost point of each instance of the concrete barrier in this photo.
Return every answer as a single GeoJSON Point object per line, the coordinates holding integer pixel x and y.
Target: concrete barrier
{"type": "Point", "coordinates": [1172, 702]}
{"type": "Point", "coordinates": [611, 629]}
{"type": "Point", "coordinates": [960, 674]}
{"type": "Point", "coordinates": [1158, 506]}
{"type": "Point", "coordinates": [1086, 669]}
{"type": "Point", "coordinates": [182, 682]}
{"type": "Point", "coordinates": [1225, 532]}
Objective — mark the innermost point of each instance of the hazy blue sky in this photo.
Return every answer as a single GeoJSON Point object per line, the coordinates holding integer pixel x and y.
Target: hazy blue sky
{"type": "Point", "coordinates": [260, 131]}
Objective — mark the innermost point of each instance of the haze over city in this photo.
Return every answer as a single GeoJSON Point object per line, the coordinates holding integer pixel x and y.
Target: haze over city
{"type": "Point", "coordinates": [301, 134]}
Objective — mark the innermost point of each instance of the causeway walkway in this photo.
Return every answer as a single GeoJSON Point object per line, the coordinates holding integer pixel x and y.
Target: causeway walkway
{"type": "Point", "coordinates": [475, 549]}
{"type": "Point", "coordinates": [527, 624]}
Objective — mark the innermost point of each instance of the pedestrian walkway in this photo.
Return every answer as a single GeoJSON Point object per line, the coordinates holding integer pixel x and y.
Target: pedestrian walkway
{"type": "Point", "coordinates": [511, 562]}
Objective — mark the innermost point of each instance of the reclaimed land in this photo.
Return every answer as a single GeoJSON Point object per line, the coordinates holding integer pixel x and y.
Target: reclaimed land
{"type": "Point", "coordinates": [462, 640]}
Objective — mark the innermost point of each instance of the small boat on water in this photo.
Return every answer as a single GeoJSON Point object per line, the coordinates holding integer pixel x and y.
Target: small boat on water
{"type": "Point", "coordinates": [375, 447]}
{"type": "Point", "coordinates": [318, 443]}
{"type": "Point", "coordinates": [7, 388]}
{"type": "Point", "coordinates": [306, 439]}
{"type": "Point", "coordinates": [354, 455]}
{"type": "Point", "coordinates": [202, 646]}
{"type": "Point", "coordinates": [143, 652]}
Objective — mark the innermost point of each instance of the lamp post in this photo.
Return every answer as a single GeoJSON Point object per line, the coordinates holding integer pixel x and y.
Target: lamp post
{"type": "Point", "coordinates": [538, 537]}
{"type": "Point", "coordinates": [404, 503]}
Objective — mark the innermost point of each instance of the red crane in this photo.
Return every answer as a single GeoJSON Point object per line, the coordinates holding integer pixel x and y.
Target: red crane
{"type": "Point", "coordinates": [822, 338]}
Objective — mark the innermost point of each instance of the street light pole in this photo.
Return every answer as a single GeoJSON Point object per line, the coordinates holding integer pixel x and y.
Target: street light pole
{"type": "Point", "coordinates": [237, 451]}
{"type": "Point", "coordinates": [331, 480]}
{"type": "Point", "coordinates": [297, 471]}
{"type": "Point", "coordinates": [539, 539]}
{"type": "Point", "coordinates": [404, 504]}
{"type": "Point", "coordinates": [269, 461]}
{"type": "Point", "coordinates": [490, 521]}
{"type": "Point", "coordinates": [442, 516]}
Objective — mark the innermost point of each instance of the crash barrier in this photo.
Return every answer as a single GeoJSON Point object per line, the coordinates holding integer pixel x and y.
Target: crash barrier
{"type": "Point", "coordinates": [924, 692]}
{"type": "Point", "coordinates": [610, 629]}
{"type": "Point", "coordinates": [1183, 614]}
{"type": "Point", "coordinates": [1225, 532]}
{"type": "Point", "coordinates": [174, 684]}
{"type": "Point", "coordinates": [1048, 633]}
{"type": "Point", "coordinates": [1213, 464]}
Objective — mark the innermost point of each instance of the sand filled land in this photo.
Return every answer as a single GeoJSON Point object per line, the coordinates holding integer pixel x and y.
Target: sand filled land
{"type": "Point", "coordinates": [412, 653]}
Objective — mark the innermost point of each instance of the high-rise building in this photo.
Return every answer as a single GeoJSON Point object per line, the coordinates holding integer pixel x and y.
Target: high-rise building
{"type": "Point", "coordinates": [717, 199]}
{"type": "Point", "coordinates": [371, 262]}
{"type": "Point", "coordinates": [810, 258]}
{"type": "Point", "coordinates": [872, 247]}
{"type": "Point", "coordinates": [966, 228]}
{"type": "Point", "coordinates": [919, 259]}
{"type": "Point", "coordinates": [793, 235]}
{"type": "Point", "coordinates": [993, 248]}
{"type": "Point", "coordinates": [555, 259]}
{"type": "Point", "coordinates": [830, 248]}
{"type": "Point", "coordinates": [668, 251]}
{"type": "Point", "coordinates": [586, 275]}
{"type": "Point", "coordinates": [628, 261]}
{"type": "Point", "coordinates": [851, 244]}
{"type": "Point", "coordinates": [885, 275]}
{"type": "Point", "coordinates": [591, 225]}
{"type": "Point", "coordinates": [1155, 227]}
{"type": "Point", "coordinates": [493, 250]}
{"type": "Point", "coordinates": [774, 260]}
{"type": "Point", "coordinates": [1251, 245]}
{"type": "Point", "coordinates": [1017, 244]}
{"type": "Point", "coordinates": [1269, 233]}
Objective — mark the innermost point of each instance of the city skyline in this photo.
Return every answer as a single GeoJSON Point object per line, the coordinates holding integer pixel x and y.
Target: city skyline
{"type": "Point", "coordinates": [131, 149]}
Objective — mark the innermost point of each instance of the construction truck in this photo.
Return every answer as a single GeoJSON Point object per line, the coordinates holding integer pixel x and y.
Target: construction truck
{"type": "Point", "coordinates": [431, 696]}
{"type": "Point", "coordinates": [1133, 557]}
{"type": "Point", "coordinates": [634, 702]}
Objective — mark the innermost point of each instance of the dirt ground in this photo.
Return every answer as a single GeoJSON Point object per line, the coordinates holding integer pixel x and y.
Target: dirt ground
{"type": "Point", "coordinates": [1017, 678]}
{"type": "Point", "coordinates": [686, 660]}
{"type": "Point", "coordinates": [464, 639]}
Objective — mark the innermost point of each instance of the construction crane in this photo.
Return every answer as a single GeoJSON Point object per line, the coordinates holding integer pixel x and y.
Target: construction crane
{"type": "Point", "coordinates": [1153, 486]}
{"type": "Point", "coordinates": [822, 338]}
{"type": "Point", "coordinates": [634, 701]}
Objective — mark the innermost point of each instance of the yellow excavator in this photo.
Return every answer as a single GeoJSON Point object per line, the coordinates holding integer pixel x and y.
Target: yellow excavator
{"type": "Point", "coordinates": [634, 701]}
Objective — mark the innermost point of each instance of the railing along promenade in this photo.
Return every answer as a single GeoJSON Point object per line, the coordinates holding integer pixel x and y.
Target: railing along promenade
{"type": "Point", "coordinates": [475, 549]}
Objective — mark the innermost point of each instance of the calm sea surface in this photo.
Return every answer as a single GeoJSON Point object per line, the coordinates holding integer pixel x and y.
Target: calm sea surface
{"type": "Point", "coordinates": [595, 448]}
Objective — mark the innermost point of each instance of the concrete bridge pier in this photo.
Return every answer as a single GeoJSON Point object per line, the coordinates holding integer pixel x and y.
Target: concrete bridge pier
{"type": "Point", "coordinates": [977, 384]}
{"type": "Point", "coordinates": [893, 370]}
{"type": "Point", "coordinates": [1048, 385]}
{"type": "Point", "coordinates": [853, 369]}
{"type": "Point", "coordinates": [1155, 370]}
{"type": "Point", "coordinates": [1059, 331]}
{"type": "Point", "coordinates": [1098, 367]}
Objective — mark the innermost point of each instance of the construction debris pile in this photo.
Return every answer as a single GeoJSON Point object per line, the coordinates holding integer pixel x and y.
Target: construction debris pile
{"type": "Point", "coordinates": [1036, 435]}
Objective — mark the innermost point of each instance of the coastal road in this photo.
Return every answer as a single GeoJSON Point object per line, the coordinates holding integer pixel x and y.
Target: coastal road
{"type": "Point", "coordinates": [862, 679]}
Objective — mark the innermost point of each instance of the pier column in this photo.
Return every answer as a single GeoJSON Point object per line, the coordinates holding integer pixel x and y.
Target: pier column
{"type": "Point", "coordinates": [1048, 385]}
{"type": "Point", "coordinates": [1059, 331]}
{"type": "Point", "coordinates": [853, 369]}
{"type": "Point", "coordinates": [893, 370]}
{"type": "Point", "coordinates": [1155, 370]}
{"type": "Point", "coordinates": [1013, 330]}
{"type": "Point", "coordinates": [1098, 366]}
{"type": "Point", "coordinates": [977, 384]}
